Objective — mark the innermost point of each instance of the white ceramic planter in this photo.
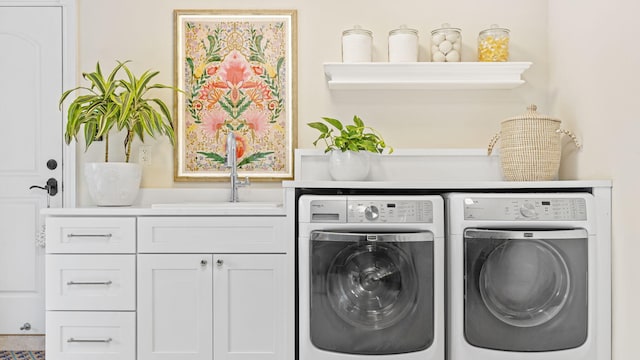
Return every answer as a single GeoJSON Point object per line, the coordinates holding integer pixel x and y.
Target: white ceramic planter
{"type": "Point", "coordinates": [113, 183]}
{"type": "Point", "coordinates": [348, 165]}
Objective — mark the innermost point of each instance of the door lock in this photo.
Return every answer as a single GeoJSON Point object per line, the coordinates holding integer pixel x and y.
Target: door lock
{"type": "Point", "coordinates": [51, 187]}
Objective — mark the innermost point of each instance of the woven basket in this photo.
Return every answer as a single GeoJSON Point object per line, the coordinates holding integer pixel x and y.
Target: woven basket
{"type": "Point", "coordinates": [530, 146]}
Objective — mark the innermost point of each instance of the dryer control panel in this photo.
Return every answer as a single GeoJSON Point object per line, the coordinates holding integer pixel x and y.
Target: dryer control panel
{"type": "Point", "coordinates": [535, 209]}
{"type": "Point", "coordinates": [389, 211]}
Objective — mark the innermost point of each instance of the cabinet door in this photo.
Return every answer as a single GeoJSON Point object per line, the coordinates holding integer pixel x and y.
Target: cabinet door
{"type": "Point", "coordinates": [250, 306]}
{"type": "Point", "coordinates": [175, 307]}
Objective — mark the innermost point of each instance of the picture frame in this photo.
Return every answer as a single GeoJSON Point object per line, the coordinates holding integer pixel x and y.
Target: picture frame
{"type": "Point", "coordinates": [238, 71]}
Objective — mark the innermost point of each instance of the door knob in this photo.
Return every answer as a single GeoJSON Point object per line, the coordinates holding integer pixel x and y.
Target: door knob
{"type": "Point", "coordinates": [51, 187]}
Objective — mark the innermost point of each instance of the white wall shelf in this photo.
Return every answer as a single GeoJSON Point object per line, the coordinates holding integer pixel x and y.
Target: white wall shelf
{"type": "Point", "coordinates": [425, 75]}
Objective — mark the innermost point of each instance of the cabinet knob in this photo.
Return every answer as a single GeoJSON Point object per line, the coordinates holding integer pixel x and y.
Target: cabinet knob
{"type": "Point", "coordinates": [203, 262]}
{"type": "Point", "coordinates": [220, 262]}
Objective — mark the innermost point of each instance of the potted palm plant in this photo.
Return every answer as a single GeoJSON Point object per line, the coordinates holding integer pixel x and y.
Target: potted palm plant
{"type": "Point", "coordinates": [349, 147]}
{"type": "Point", "coordinates": [108, 104]}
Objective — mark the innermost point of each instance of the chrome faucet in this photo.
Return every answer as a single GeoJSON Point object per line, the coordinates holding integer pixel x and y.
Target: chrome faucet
{"type": "Point", "coordinates": [232, 162]}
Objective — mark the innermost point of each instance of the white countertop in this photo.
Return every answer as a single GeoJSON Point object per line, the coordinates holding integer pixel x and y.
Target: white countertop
{"type": "Point", "coordinates": [455, 185]}
{"type": "Point", "coordinates": [187, 210]}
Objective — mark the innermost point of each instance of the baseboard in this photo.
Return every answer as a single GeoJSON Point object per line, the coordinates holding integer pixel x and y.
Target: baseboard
{"type": "Point", "coordinates": [22, 342]}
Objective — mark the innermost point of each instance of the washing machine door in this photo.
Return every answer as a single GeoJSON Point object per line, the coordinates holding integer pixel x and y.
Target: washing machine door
{"type": "Point", "coordinates": [526, 290]}
{"type": "Point", "coordinates": [371, 293]}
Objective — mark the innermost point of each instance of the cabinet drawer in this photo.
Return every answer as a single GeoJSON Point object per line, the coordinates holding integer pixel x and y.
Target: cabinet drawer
{"type": "Point", "coordinates": [82, 335]}
{"type": "Point", "coordinates": [90, 282]}
{"type": "Point", "coordinates": [232, 234]}
{"type": "Point", "coordinates": [91, 235]}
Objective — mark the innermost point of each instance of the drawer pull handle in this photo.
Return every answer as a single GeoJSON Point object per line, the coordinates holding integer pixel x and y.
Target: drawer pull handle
{"type": "Point", "coordinates": [90, 235]}
{"type": "Point", "coordinates": [108, 282]}
{"type": "Point", "coordinates": [72, 340]}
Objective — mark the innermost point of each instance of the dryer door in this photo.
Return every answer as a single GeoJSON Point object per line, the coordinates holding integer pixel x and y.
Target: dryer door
{"type": "Point", "coordinates": [526, 290]}
{"type": "Point", "coordinates": [371, 293]}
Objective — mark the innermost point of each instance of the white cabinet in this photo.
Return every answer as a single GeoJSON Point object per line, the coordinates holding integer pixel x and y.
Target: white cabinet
{"type": "Point", "coordinates": [175, 312]}
{"type": "Point", "coordinates": [212, 306]}
{"type": "Point", "coordinates": [91, 335]}
{"type": "Point", "coordinates": [90, 288]}
{"type": "Point", "coordinates": [222, 234]}
{"type": "Point", "coordinates": [249, 305]}
{"type": "Point", "coordinates": [216, 288]}
{"type": "Point", "coordinates": [123, 285]}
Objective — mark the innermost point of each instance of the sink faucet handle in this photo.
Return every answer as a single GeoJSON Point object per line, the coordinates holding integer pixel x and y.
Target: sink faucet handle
{"type": "Point", "coordinates": [244, 182]}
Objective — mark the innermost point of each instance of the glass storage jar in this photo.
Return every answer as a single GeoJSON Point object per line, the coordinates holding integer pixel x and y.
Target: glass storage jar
{"type": "Point", "coordinates": [356, 45]}
{"type": "Point", "coordinates": [403, 45]}
{"type": "Point", "coordinates": [446, 44]}
{"type": "Point", "coordinates": [493, 44]}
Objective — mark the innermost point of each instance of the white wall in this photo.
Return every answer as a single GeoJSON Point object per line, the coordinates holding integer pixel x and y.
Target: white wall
{"type": "Point", "coordinates": [595, 88]}
{"type": "Point", "coordinates": [582, 50]}
{"type": "Point", "coordinates": [408, 119]}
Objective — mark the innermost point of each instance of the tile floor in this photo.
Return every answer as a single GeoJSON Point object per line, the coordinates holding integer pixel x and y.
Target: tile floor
{"type": "Point", "coordinates": [21, 355]}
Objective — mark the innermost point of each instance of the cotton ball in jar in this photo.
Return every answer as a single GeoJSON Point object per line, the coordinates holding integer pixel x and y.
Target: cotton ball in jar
{"type": "Point", "coordinates": [452, 56]}
{"type": "Point", "coordinates": [452, 37]}
{"type": "Point", "coordinates": [445, 46]}
{"type": "Point", "coordinates": [436, 39]}
{"type": "Point", "coordinates": [439, 57]}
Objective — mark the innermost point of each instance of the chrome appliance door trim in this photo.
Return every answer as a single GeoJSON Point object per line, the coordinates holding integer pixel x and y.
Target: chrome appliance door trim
{"type": "Point", "coordinates": [474, 233]}
{"type": "Point", "coordinates": [396, 237]}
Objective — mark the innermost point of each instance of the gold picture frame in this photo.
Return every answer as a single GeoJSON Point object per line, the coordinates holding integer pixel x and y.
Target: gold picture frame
{"type": "Point", "coordinates": [238, 71]}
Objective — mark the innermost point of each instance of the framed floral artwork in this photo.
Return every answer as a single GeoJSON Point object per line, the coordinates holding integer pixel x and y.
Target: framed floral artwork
{"type": "Point", "coordinates": [237, 70]}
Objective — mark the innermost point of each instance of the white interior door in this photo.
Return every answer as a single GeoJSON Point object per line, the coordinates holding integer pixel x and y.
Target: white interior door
{"type": "Point", "coordinates": [31, 126]}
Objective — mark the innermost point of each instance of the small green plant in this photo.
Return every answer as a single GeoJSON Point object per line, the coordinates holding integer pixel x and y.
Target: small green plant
{"type": "Point", "coordinates": [356, 137]}
{"type": "Point", "coordinates": [110, 103]}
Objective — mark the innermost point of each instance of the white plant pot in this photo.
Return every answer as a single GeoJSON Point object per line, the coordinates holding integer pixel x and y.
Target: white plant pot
{"type": "Point", "coordinates": [113, 183]}
{"type": "Point", "coordinates": [348, 165]}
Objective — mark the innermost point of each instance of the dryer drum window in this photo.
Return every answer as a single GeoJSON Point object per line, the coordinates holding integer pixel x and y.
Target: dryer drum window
{"type": "Point", "coordinates": [524, 282]}
{"type": "Point", "coordinates": [526, 290]}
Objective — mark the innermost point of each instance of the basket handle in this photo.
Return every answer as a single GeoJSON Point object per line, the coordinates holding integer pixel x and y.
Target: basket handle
{"type": "Point", "coordinates": [572, 136]}
{"type": "Point", "coordinates": [493, 142]}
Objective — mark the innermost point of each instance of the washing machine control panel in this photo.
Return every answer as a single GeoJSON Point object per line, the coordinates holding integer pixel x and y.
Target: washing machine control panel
{"type": "Point", "coordinates": [384, 211]}
{"type": "Point", "coordinates": [540, 209]}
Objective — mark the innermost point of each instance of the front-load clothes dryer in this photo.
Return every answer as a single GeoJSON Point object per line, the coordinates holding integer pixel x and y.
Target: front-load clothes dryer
{"type": "Point", "coordinates": [523, 277]}
{"type": "Point", "coordinates": [371, 277]}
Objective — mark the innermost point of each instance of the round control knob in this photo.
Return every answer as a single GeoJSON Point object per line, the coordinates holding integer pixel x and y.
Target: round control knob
{"type": "Point", "coordinates": [528, 210]}
{"type": "Point", "coordinates": [371, 213]}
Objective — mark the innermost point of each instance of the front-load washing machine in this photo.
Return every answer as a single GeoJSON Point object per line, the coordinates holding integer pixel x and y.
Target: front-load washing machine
{"type": "Point", "coordinates": [523, 277]}
{"type": "Point", "coordinates": [371, 277]}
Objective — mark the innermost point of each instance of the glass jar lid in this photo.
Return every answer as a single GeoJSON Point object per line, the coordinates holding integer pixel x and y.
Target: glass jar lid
{"type": "Point", "coordinates": [357, 30]}
{"type": "Point", "coordinates": [445, 27]}
{"type": "Point", "coordinates": [494, 28]}
{"type": "Point", "coordinates": [403, 29]}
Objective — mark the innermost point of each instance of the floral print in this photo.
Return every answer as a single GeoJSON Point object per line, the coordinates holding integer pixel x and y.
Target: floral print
{"type": "Point", "coordinates": [234, 78]}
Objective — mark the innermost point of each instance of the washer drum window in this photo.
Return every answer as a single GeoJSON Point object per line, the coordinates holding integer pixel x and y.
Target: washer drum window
{"type": "Point", "coordinates": [371, 293]}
